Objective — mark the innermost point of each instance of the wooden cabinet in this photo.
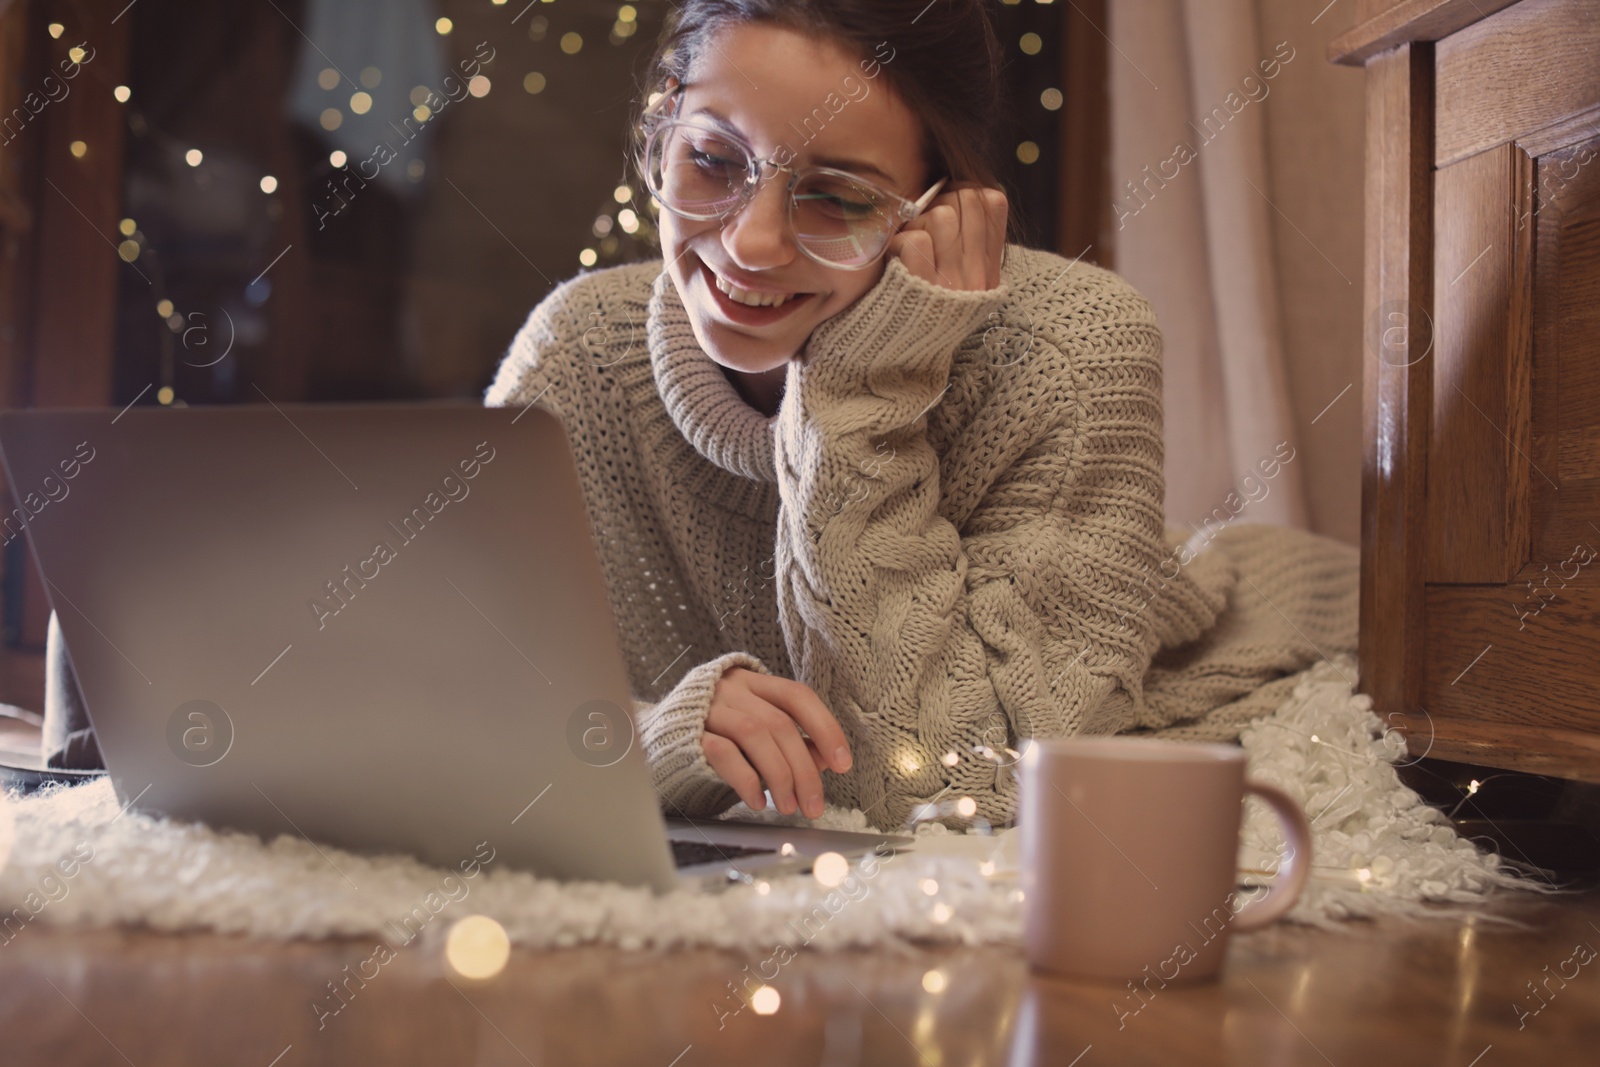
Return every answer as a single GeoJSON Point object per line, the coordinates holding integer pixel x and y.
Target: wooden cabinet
{"type": "Point", "coordinates": [1480, 582]}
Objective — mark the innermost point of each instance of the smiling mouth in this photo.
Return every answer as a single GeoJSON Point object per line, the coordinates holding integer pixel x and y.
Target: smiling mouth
{"type": "Point", "coordinates": [747, 308]}
{"type": "Point", "coordinates": [750, 297]}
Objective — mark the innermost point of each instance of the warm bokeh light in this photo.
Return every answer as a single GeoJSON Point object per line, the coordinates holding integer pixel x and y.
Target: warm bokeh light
{"type": "Point", "coordinates": [56, 29]}
{"type": "Point", "coordinates": [571, 43]}
{"type": "Point", "coordinates": [1051, 99]}
{"type": "Point", "coordinates": [194, 157]}
{"type": "Point", "coordinates": [328, 78]}
{"type": "Point", "coordinates": [127, 227]}
{"type": "Point", "coordinates": [942, 912]}
{"type": "Point", "coordinates": [128, 250]}
{"type": "Point", "coordinates": [415, 170]}
{"type": "Point", "coordinates": [1028, 152]}
{"type": "Point", "coordinates": [533, 82]}
{"type": "Point", "coordinates": [164, 308]}
{"type": "Point", "coordinates": [331, 118]}
{"type": "Point", "coordinates": [477, 947]}
{"type": "Point", "coordinates": [1031, 43]}
{"type": "Point", "coordinates": [628, 220]}
{"type": "Point", "coordinates": [928, 886]}
{"type": "Point", "coordinates": [443, 26]}
{"type": "Point", "coordinates": [422, 113]}
{"type": "Point", "coordinates": [337, 157]}
{"type": "Point", "coordinates": [622, 194]}
{"type": "Point", "coordinates": [934, 982]}
{"type": "Point", "coordinates": [360, 103]}
{"type": "Point", "coordinates": [76, 54]}
{"type": "Point", "coordinates": [765, 1000]}
{"type": "Point", "coordinates": [78, 149]}
{"type": "Point", "coordinates": [122, 93]}
{"type": "Point", "coordinates": [269, 184]}
{"type": "Point", "coordinates": [165, 395]}
{"type": "Point", "coordinates": [830, 869]}
{"type": "Point", "coordinates": [371, 76]}
{"type": "Point", "coordinates": [587, 257]}
{"type": "Point", "coordinates": [966, 807]}
{"type": "Point", "coordinates": [478, 86]}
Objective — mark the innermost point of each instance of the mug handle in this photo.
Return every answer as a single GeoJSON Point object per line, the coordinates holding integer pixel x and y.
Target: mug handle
{"type": "Point", "coordinates": [1290, 882]}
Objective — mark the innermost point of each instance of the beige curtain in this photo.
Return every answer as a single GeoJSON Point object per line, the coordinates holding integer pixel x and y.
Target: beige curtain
{"type": "Point", "coordinates": [1236, 162]}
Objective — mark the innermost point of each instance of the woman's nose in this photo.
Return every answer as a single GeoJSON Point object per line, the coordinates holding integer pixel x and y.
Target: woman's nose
{"type": "Point", "coordinates": [757, 237]}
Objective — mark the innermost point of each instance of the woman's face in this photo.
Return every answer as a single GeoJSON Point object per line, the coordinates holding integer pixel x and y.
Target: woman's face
{"type": "Point", "coordinates": [765, 82]}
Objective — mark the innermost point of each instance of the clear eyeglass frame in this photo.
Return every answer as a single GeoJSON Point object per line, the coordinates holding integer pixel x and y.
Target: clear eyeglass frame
{"type": "Point", "coordinates": [658, 119]}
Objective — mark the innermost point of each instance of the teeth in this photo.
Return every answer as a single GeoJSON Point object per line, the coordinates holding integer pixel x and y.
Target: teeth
{"type": "Point", "coordinates": [744, 296]}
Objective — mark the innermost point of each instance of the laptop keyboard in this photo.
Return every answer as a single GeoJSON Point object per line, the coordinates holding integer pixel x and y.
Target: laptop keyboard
{"type": "Point", "coordinates": [690, 853]}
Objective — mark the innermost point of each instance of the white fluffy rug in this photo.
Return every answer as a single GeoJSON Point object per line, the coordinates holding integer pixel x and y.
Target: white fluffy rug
{"type": "Point", "coordinates": [74, 859]}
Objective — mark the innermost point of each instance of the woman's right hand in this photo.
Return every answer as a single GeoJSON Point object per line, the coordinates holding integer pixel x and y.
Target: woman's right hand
{"type": "Point", "coordinates": [752, 736]}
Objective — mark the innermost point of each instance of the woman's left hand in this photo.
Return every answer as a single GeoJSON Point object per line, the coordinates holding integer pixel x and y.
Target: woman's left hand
{"type": "Point", "coordinates": [957, 242]}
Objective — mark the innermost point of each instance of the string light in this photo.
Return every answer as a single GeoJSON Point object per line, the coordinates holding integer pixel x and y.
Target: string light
{"type": "Point", "coordinates": [1031, 43]}
{"type": "Point", "coordinates": [328, 79]}
{"type": "Point", "coordinates": [533, 82]}
{"type": "Point", "coordinates": [934, 981]}
{"type": "Point", "coordinates": [765, 1000]}
{"type": "Point", "coordinates": [830, 869]}
{"type": "Point", "coordinates": [588, 257]}
{"type": "Point", "coordinates": [360, 103]}
{"type": "Point", "coordinates": [164, 308]}
{"type": "Point", "coordinates": [966, 807]}
{"type": "Point", "coordinates": [571, 43]}
{"type": "Point", "coordinates": [622, 194]}
{"type": "Point", "coordinates": [76, 54]}
{"type": "Point", "coordinates": [443, 26]}
{"type": "Point", "coordinates": [164, 395]}
{"type": "Point", "coordinates": [1051, 99]}
{"type": "Point", "coordinates": [269, 184]}
{"type": "Point", "coordinates": [78, 149]}
{"type": "Point", "coordinates": [942, 913]}
{"type": "Point", "coordinates": [477, 947]}
{"type": "Point", "coordinates": [127, 227]}
{"type": "Point", "coordinates": [56, 29]}
{"type": "Point", "coordinates": [371, 76]}
{"type": "Point", "coordinates": [331, 118]}
{"type": "Point", "coordinates": [194, 157]}
{"type": "Point", "coordinates": [929, 886]}
{"type": "Point", "coordinates": [478, 86]}
{"type": "Point", "coordinates": [1028, 152]}
{"type": "Point", "coordinates": [122, 93]}
{"type": "Point", "coordinates": [337, 157]}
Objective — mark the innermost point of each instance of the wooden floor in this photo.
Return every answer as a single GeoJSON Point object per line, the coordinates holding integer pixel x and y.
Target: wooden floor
{"type": "Point", "coordinates": [1373, 995]}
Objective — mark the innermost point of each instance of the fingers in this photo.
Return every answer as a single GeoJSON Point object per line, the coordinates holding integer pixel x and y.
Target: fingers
{"type": "Point", "coordinates": [801, 703]}
{"type": "Point", "coordinates": [959, 241]}
{"type": "Point", "coordinates": [996, 201]}
{"type": "Point", "coordinates": [803, 772]}
{"type": "Point", "coordinates": [731, 766]}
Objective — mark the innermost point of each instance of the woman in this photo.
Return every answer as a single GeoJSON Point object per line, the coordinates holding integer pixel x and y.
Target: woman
{"type": "Point", "coordinates": [878, 495]}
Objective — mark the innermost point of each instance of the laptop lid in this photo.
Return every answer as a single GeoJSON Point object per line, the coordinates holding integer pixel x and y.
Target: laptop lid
{"type": "Point", "coordinates": [381, 626]}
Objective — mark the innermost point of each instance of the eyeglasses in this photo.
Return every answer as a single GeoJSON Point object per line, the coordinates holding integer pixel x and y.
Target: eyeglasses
{"type": "Point", "coordinates": [700, 171]}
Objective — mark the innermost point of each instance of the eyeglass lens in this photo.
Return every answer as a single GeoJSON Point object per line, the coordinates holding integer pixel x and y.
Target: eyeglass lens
{"type": "Point", "coordinates": [699, 174]}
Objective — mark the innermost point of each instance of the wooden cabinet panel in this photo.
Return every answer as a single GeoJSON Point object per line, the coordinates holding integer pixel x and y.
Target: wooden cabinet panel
{"type": "Point", "coordinates": [1480, 599]}
{"type": "Point", "coordinates": [1477, 443]}
{"type": "Point", "coordinates": [1527, 66]}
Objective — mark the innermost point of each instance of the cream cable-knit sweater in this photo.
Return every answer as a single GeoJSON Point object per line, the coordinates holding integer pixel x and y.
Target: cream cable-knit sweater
{"type": "Point", "coordinates": [952, 530]}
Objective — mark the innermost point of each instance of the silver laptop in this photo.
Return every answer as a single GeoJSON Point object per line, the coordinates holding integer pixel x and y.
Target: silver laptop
{"type": "Point", "coordinates": [379, 626]}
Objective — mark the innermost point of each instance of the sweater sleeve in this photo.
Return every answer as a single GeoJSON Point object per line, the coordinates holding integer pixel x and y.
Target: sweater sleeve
{"type": "Point", "coordinates": [941, 651]}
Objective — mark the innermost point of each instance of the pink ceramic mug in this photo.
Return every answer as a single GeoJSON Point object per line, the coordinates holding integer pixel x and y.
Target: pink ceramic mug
{"type": "Point", "coordinates": [1129, 857]}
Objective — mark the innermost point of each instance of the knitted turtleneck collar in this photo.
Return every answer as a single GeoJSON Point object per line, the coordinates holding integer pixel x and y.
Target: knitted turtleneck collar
{"type": "Point", "coordinates": [704, 404]}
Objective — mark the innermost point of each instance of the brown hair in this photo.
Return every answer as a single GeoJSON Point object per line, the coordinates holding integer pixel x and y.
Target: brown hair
{"type": "Point", "coordinates": [945, 65]}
